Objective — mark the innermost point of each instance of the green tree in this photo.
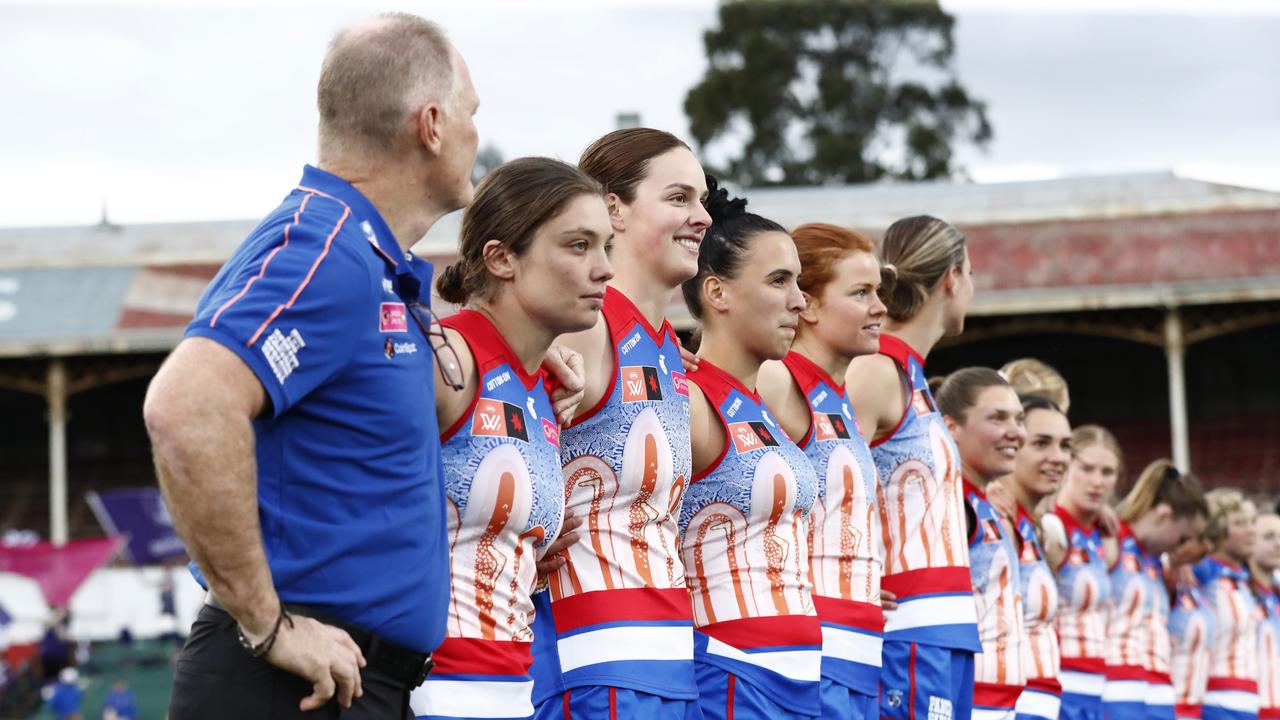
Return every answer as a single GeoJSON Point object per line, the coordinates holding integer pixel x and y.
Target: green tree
{"type": "Point", "coordinates": [804, 92]}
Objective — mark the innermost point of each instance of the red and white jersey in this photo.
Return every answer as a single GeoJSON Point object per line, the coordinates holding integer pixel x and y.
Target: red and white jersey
{"type": "Point", "coordinates": [1235, 649]}
{"type": "Point", "coordinates": [845, 561]}
{"type": "Point", "coordinates": [926, 558]}
{"type": "Point", "coordinates": [1133, 593]}
{"type": "Point", "coordinates": [1084, 602]}
{"type": "Point", "coordinates": [1040, 652]}
{"type": "Point", "coordinates": [1268, 651]}
{"type": "Point", "coordinates": [620, 608]}
{"type": "Point", "coordinates": [504, 504]}
{"type": "Point", "coordinates": [745, 522]}
{"type": "Point", "coordinates": [1191, 633]}
{"type": "Point", "coordinates": [998, 596]}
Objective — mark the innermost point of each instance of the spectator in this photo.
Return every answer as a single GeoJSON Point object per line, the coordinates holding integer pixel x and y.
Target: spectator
{"type": "Point", "coordinates": [63, 698]}
{"type": "Point", "coordinates": [119, 703]}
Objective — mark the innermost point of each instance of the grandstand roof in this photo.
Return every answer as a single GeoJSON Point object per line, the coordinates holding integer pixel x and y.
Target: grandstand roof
{"type": "Point", "coordinates": [1075, 243]}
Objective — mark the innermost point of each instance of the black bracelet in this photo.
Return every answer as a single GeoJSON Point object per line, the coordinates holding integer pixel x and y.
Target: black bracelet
{"type": "Point", "coordinates": [264, 647]}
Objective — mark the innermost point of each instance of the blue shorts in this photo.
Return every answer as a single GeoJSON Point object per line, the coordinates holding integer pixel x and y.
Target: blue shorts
{"type": "Point", "coordinates": [1209, 711]}
{"type": "Point", "coordinates": [846, 703]}
{"type": "Point", "coordinates": [725, 696]}
{"type": "Point", "coordinates": [1124, 699]}
{"type": "Point", "coordinates": [926, 682]}
{"type": "Point", "coordinates": [1082, 695]}
{"type": "Point", "coordinates": [599, 702]}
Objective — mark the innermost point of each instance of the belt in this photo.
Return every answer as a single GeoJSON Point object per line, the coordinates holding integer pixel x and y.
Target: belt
{"type": "Point", "coordinates": [397, 663]}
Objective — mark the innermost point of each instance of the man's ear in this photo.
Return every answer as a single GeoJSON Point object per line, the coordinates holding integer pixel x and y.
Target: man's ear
{"type": "Point", "coordinates": [616, 212]}
{"type": "Point", "coordinates": [499, 260]}
{"type": "Point", "coordinates": [429, 124]}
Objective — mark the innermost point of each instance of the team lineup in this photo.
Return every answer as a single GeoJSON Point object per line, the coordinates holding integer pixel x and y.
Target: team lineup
{"type": "Point", "coordinates": [543, 506]}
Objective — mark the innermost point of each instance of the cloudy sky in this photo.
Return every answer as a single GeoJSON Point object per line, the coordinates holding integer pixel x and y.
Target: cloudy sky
{"type": "Point", "coordinates": [184, 111]}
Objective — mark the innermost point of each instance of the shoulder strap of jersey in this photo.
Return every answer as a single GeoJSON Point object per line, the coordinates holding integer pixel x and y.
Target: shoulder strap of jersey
{"type": "Point", "coordinates": [619, 314]}
{"type": "Point", "coordinates": [487, 344]}
{"type": "Point", "coordinates": [715, 385]}
{"type": "Point", "coordinates": [899, 352]}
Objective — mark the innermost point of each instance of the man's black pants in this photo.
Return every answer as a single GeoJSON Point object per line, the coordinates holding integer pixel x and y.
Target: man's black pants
{"type": "Point", "coordinates": [217, 680]}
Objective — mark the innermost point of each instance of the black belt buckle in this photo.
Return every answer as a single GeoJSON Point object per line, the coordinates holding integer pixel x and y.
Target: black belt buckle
{"type": "Point", "coordinates": [427, 666]}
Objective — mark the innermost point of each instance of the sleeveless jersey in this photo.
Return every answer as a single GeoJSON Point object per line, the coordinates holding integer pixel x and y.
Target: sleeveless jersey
{"type": "Point", "coordinates": [999, 672]}
{"type": "Point", "coordinates": [1160, 691]}
{"type": "Point", "coordinates": [1233, 666]}
{"type": "Point", "coordinates": [1039, 588]}
{"type": "Point", "coordinates": [1268, 651]}
{"type": "Point", "coordinates": [845, 562]}
{"type": "Point", "coordinates": [1133, 602]}
{"type": "Point", "coordinates": [504, 505]}
{"type": "Point", "coordinates": [1084, 602]}
{"type": "Point", "coordinates": [620, 608]}
{"type": "Point", "coordinates": [1191, 634]}
{"type": "Point", "coordinates": [745, 526]}
{"type": "Point", "coordinates": [926, 557]}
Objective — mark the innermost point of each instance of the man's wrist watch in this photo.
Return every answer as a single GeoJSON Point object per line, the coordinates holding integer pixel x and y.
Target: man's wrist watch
{"type": "Point", "coordinates": [262, 648]}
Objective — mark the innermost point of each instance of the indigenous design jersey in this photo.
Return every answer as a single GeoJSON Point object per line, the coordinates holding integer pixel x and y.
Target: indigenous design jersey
{"type": "Point", "coordinates": [1039, 589]}
{"type": "Point", "coordinates": [1191, 632]}
{"type": "Point", "coordinates": [1268, 651]}
{"type": "Point", "coordinates": [504, 505]}
{"type": "Point", "coordinates": [1084, 600]}
{"type": "Point", "coordinates": [926, 558]}
{"type": "Point", "coordinates": [999, 672]}
{"type": "Point", "coordinates": [1130, 644]}
{"type": "Point", "coordinates": [844, 532]}
{"type": "Point", "coordinates": [620, 608]}
{"type": "Point", "coordinates": [1233, 666]}
{"type": "Point", "coordinates": [1160, 690]}
{"type": "Point", "coordinates": [745, 526]}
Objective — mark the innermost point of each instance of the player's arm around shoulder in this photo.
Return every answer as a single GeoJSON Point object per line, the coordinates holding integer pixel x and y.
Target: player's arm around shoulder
{"type": "Point", "coordinates": [876, 394]}
{"type": "Point", "coordinates": [594, 347]}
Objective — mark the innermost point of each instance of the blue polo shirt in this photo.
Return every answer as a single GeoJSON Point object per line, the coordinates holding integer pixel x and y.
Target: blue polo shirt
{"type": "Point", "coordinates": [350, 495]}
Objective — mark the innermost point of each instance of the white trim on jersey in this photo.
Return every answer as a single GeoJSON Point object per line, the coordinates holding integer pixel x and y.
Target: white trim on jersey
{"type": "Point", "coordinates": [625, 643]}
{"type": "Point", "coordinates": [1241, 701]}
{"type": "Point", "coordinates": [929, 611]}
{"type": "Point", "coordinates": [1160, 694]}
{"type": "Point", "coordinates": [473, 699]}
{"type": "Point", "coordinates": [801, 665]}
{"type": "Point", "coordinates": [993, 714]}
{"type": "Point", "coordinates": [1082, 683]}
{"type": "Point", "coordinates": [852, 646]}
{"type": "Point", "coordinates": [1039, 704]}
{"type": "Point", "coordinates": [1125, 691]}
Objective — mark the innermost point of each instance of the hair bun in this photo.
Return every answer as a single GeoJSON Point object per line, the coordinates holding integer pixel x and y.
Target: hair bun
{"type": "Point", "coordinates": [719, 205]}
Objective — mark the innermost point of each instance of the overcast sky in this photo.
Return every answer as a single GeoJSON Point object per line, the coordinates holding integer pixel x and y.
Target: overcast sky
{"type": "Point", "coordinates": [178, 111]}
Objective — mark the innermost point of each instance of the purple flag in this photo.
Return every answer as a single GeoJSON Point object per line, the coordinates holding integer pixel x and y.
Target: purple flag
{"type": "Point", "coordinates": [141, 515]}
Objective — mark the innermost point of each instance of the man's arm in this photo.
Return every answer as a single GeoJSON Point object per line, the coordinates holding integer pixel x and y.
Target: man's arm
{"type": "Point", "coordinates": [199, 411]}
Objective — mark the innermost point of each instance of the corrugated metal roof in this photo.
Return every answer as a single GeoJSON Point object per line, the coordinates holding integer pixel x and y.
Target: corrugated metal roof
{"type": "Point", "coordinates": [868, 207]}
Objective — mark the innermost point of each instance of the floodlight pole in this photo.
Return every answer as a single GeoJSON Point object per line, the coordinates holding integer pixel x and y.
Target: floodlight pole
{"type": "Point", "coordinates": [1175, 353]}
{"type": "Point", "coordinates": [56, 397]}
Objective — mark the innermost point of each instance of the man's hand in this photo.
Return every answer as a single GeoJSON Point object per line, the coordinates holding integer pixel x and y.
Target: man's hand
{"type": "Point", "coordinates": [555, 557]}
{"type": "Point", "coordinates": [323, 655]}
{"type": "Point", "coordinates": [566, 367]}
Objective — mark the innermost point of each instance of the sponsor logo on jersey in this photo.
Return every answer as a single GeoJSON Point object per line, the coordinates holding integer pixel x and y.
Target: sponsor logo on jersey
{"type": "Point", "coordinates": [829, 426]}
{"type": "Point", "coordinates": [991, 530]}
{"type": "Point", "coordinates": [281, 352]}
{"type": "Point", "coordinates": [551, 432]}
{"type": "Point", "coordinates": [497, 380]}
{"type": "Point", "coordinates": [392, 318]}
{"type": "Point", "coordinates": [1030, 553]}
{"type": "Point", "coordinates": [1076, 557]}
{"type": "Point", "coordinates": [681, 383]}
{"type": "Point", "coordinates": [387, 287]}
{"type": "Point", "coordinates": [921, 402]}
{"type": "Point", "coordinates": [753, 435]}
{"type": "Point", "coordinates": [640, 382]}
{"type": "Point", "coordinates": [1130, 563]}
{"type": "Point", "coordinates": [631, 343]}
{"type": "Point", "coordinates": [499, 419]}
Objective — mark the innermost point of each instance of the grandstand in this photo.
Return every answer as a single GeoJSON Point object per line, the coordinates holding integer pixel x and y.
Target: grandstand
{"type": "Point", "coordinates": [1157, 296]}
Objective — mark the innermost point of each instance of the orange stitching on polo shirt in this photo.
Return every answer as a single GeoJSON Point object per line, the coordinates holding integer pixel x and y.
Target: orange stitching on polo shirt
{"type": "Point", "coordinates": [346, 212]}
{"type": "Point", "coordinates": [263, 270]}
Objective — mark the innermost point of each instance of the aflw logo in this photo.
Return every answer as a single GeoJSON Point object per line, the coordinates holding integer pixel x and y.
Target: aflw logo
{"type": "Point", "coordinates": [753, 435]}
{"type": "Point", "coordinates": [640, 382]}
{"type": "Point", "coordinates": [499, 419]}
